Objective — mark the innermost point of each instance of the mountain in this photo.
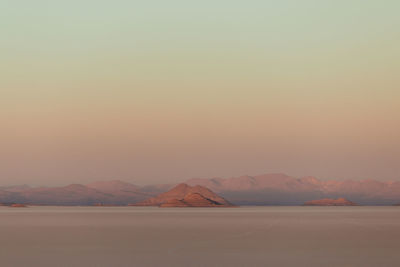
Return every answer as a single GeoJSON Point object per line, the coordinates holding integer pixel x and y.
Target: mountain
{"type": "Point", "coordinates": [266, 189]}
{"type": "Point", "coordinates": [281, 189]}
{"type": "Point", "coordinates": [330, 202]}
{"type": "Point", "coordinates": [122, 192]}
{"type": "Point", "coordinates": [114, 186]}
{"type": "Point", "coordinates": [156, 189]}
{"type": "Point", "coordinates": [192, 200]}
{"type": "Point", "coordinates": [279, 182]}
{"type": "Point", "coordinates": [103, 192]}
{"type": "Point", "coordinates": [15, 188]}
{"type": "Point", "coordinates": [184, 195]}
{"type": "Point", "coordinates": [7, 197]}
{"type": "Point", "coordinates": [74, 194]}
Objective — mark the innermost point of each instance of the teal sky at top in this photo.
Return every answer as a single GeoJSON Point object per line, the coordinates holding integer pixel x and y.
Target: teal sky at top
{"type": "Point", "coordinates": [306, 87]}
{"type": "Point", "coordinates": [225, 43]}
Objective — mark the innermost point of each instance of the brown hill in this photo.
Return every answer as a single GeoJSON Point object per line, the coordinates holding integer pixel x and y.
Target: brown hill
{"type": "Point", "coordinates": [184, 195]}
{"type": "Point", "coordinates": [330, 202]}
{"type": "Point", "coordinates": [191, 200]}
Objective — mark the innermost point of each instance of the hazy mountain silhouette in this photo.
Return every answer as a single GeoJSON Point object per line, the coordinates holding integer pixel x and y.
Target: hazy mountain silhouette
{"type": "Point", "coordinates": [267, 189]}
{"type": "Point", "coordinates": [281, 189]}
{"type": "Point", "coordinates": [104, 192]}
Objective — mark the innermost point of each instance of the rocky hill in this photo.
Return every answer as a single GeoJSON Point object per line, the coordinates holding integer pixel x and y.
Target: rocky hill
{"type": "Point", "coordinates": [184, 195]}
{"type": "Point", "coordinates": [330, 202]}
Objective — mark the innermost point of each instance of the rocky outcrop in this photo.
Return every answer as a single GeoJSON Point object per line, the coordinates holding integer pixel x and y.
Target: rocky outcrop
{"type": "Point", "coordinates": [191, 200]}
{"type": "Point", "coordinates": [17, 206]}
{"type": "Point", "coordinates": [184, 195]}
{"type": "Point", "coordinates": [330, 202]}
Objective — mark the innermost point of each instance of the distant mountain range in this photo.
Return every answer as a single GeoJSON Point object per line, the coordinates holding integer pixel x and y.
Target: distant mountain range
{"type": "Point", "coordinates": [281, 189]}
{"type": "Point", "coordinates": [267, 189]}
{"type": "Point", "coordinates": [98, 193]}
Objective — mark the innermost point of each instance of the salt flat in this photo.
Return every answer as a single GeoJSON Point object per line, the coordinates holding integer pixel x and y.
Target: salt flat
{"type": "Point", "coordinates": [245, 236]}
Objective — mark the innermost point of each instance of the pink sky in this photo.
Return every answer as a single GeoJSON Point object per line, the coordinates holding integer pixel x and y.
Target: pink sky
{"type": "Point", "coordinates": [199, 91]}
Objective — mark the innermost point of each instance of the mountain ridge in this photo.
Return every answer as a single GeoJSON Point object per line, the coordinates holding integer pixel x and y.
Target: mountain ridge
{"type": "Point", "coordinates": [281, 189]}
{"type": "Point", "coordinates": [266, 189]}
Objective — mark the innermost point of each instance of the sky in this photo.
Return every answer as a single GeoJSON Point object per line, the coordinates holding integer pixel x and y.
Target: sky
{"type": "Point", "coordinates": [162, 91]}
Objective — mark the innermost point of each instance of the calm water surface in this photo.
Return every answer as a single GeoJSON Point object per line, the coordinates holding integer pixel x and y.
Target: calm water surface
{"type": "Point", "coordinates": [246, 236]}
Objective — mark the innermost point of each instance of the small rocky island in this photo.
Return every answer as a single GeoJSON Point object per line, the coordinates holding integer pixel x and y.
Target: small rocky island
{"type": "Point", "coordinates": [330, 202]}
{"type": "Point", "coordinates": [13, 205]}
{"type": "Point", "coordinates": [184, 195]}
{"type": "Point", "coordinates": [17, 205]}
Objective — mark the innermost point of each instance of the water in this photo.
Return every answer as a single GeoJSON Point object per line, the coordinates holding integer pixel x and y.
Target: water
{"type": "Point", "coordinates": [246, 236]}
